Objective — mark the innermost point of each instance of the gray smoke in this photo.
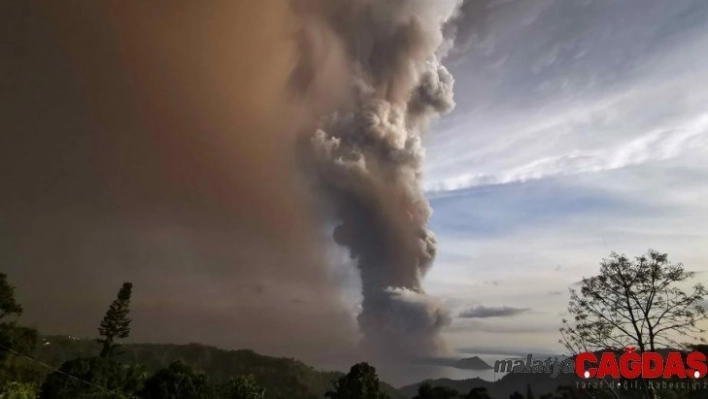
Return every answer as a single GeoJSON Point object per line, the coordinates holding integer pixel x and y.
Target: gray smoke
{"type": "Point", "coordinates": [369, 158]}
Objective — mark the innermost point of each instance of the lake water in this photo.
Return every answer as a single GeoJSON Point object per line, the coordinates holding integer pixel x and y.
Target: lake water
{"type": "Point", "coordinates": [406, 374]}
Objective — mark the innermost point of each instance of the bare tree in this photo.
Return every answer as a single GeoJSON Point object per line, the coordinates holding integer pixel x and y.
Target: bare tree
{"type": "Point", "coordinates": [638, 303]}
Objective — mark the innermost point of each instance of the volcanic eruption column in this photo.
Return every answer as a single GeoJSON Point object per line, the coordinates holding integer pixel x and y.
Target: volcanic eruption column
{"type": "Point", "coordinates": [369, 159]}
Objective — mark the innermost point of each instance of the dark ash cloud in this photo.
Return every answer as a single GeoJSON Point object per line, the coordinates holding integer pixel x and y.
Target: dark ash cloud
{"type": "Point", "coordinates": [156, 152]}
{"type": "Point", "coordinates": [160, 144]}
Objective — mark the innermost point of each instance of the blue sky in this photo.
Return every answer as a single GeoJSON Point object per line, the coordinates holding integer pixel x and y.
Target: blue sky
{"type": "Point", "coordinates": [581, 128]}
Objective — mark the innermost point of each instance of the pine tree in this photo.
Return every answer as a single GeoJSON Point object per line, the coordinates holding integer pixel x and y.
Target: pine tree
{"type": "Point", "coordinates": [116, 323]}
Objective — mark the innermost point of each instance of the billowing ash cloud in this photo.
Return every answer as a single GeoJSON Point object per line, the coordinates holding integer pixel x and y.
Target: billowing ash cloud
{"type": "Point", "coordinates": [369, 156]}
{"type": "Point", "coordinates": [156, 142]}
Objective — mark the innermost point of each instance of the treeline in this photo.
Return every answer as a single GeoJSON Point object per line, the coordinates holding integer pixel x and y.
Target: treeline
{"type": "Point", "coordinates": [640, 303]}
{"type": "Point", "coordinates": [105, 369]}
{"type": "Point", "coordinates": [282, 377]}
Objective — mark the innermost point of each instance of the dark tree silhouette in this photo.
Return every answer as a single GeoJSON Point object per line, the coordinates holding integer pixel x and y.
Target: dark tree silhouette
{"type": "Point", "coordinates": [516, 395]}
{"type": "Point", "coordinates": [85, 378]}
{"type": "Point", "coordinates": [178, 381]}
{"type": "Point", "coordinates": [243, 387]}
{"type": "Point", "coordinates": [8, 307]}
{"type": "Point", "coordinates": [116, 323]}
{"type": "Point", "coordinates": [14, 338]}
{"type": "Point", "coordinates": [427, 391]}
{"type": "Point", "coordinates": [634, 303]}
{"type": "Point", "coordinates": [16, 375]}
{"type": "Point", "coordinates": [8, 304]}
{"type": "Point", "coordinates": [360, 383]}
{"type": "Point", "coordinates": [478, 393]}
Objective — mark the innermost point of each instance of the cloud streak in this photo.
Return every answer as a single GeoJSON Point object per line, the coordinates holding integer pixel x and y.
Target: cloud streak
{"type": "Point", "coordinates": [580, 113]}
{"type": "Point", "coordinates": [655, 146]}
{"type": "Point", "coordinates": [485, 312]}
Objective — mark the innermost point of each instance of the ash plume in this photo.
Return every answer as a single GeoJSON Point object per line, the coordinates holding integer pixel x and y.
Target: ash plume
{"type": "Point", "coordinates": [369, 158]}
{"type": "Point", "coordinates": [156, 142]}
{"type": "Point", "coordinates": [153, 142]}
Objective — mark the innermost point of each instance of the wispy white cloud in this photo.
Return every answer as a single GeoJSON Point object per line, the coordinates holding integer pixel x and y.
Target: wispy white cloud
{"type": "Point", "coordinates": [654, 146]}
{"type": "Point", "coordinates": [586, 116]}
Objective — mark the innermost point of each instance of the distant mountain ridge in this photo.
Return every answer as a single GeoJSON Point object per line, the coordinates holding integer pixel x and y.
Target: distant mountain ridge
{"type": "Point", "coordinates": [472, 363]}
{"type": "Point", "coordinates": [468, 363]}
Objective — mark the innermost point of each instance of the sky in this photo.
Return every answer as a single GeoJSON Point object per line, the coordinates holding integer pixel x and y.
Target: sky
{"type": "Point", "coordinates": [142, 144]}
{"type": "Point", "coordinates": [581, 128]}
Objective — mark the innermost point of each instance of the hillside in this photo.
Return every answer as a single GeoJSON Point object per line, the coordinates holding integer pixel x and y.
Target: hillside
{"type": "Point", "coordinates": [282, 377]}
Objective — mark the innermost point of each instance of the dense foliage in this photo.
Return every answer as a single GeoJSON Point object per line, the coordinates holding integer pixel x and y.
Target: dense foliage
{"type": "Point", "coordinates": [427, 391]}
{"type": "Point", "coordinates": [242, 387]}
{"type": "Point", "coordinates": [361, 383]}
{"type": "Point", "coordinates": [91, 378]}
{"type": "Point", "coordinates": [178, 381]}
{"type": "Point", "coordinates": [282, 377]}
{"type": "Point", "coordinates": [17, 376]}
